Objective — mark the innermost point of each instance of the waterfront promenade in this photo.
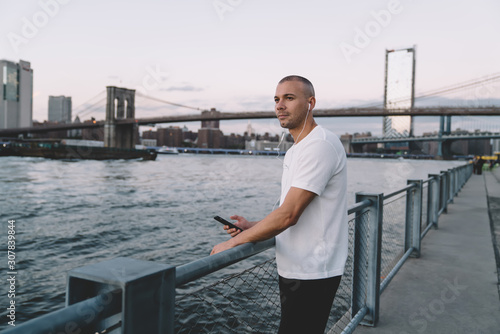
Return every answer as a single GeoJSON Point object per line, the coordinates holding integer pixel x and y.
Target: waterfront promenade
{"type": "Point", "coordinates": [453, 286]}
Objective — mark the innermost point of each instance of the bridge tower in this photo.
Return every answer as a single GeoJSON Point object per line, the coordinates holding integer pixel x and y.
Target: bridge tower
{"type": "Point", "coordinates": [444, 146]}
{"type": "Point", "coordinates": [120, 104]}
{"type": "Point", "coordinates": [399, 93]}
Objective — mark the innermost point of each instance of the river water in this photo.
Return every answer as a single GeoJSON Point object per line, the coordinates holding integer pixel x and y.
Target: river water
{"type": "Point", "coordinates": [70, 214]}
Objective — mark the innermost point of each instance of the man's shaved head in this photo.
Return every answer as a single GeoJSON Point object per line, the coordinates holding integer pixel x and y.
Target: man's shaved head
{"type": "Point", "coordinates": [308, 86]}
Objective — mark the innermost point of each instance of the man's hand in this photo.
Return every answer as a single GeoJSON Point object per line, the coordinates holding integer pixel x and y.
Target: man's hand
{"type": "Point", "coordinates": [241, 222]}
{"type": "Point", "coordinates": [276, 222]}
{"type": "Point", "coordinates": [222, 247]}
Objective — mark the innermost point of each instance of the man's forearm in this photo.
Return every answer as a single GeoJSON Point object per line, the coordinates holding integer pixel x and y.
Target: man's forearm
{"type": "Point", "coordinates": [272, 225]}
{"type": "Point", "coordinates": [276, 222]}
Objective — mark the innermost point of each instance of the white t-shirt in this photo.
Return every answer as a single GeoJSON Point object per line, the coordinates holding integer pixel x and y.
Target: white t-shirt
{"type": "Point", "coordinates": [316, 247]}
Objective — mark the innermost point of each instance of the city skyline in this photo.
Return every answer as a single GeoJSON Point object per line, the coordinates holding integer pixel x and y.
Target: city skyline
{"type": "Point", "coordinates": [230, 54]}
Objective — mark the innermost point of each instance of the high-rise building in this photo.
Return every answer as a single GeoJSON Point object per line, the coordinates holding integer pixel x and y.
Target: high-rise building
{"type": "Point", "coordinates": [60, 109]}
{"type": "Point", "coordinates": [16, 95]}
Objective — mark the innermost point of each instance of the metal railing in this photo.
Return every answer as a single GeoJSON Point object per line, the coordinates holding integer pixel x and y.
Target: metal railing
{"type": "Point", "coordinates": [441, 189]}
{"type": "Point", "coordinates": [130, 296]}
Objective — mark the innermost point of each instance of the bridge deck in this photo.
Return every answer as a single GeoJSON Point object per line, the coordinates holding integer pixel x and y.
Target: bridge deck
{"type": "Point", "coordinates": [338, 112]}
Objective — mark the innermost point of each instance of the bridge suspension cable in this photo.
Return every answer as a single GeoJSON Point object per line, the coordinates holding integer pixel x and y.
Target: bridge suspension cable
{"type": "Point", "coordinates": [464, 85]}
{"type": "Point", "coordinates": [85, 106]}
{"type": "Point", "coordinates": [91, 108]}
{"type": "Point", "coordinates": [490, 79]}
{"type": "Point", "coordinates": [166, 102]}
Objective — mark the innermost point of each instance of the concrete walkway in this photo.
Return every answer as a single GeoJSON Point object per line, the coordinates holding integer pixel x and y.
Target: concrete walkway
{"type": "Point", "coordinates": [493, 191]}
{"type": "Point", "coordinates": [453, 286]}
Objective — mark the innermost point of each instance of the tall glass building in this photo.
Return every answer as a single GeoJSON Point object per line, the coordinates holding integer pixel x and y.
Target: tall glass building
{"type": "Point", "coordinates": [16, 95]}
{"type": "Point", "coordinates": [60, 109]}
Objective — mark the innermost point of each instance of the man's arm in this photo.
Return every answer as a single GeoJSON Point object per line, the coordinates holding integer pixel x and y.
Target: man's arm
{"type": "Point", "coordinates": [273, 224]}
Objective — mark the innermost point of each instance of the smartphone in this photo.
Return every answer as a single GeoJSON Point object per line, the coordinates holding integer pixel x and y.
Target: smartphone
{"type": "Point", "coordinates": [225, 222]}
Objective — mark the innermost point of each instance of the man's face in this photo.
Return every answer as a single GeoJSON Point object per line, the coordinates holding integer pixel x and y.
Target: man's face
{"type": "Point", "coordinates": [291, 104]}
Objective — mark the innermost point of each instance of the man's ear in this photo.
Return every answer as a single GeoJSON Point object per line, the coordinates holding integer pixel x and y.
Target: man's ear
{"type": "Point", "coordinates": [312, 103]}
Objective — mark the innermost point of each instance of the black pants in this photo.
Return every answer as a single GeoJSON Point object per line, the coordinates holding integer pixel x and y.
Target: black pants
{"type": "Point", "coordinates": [306, 304]}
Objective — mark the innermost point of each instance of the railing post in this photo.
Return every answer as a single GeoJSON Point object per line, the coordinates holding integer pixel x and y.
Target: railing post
{"type": "Point", "coordinates": [450, 185]}
{"type": "Point", "coordinates": [457, 176]}
{"type": "Point", "coordinates": [463, 171]}
{"type": "Point", "coordinates": [433, 199]}
{"type": "Point", "coordinates": [470, 170]}
{"type": "Point", "coordinates": [465, 175]}
{"type": "Point", "coordinates": [373, 235]}
{"type": "Point", "coordinates": [413, 217]}
{"type": "Point", "coordinates": [461, 177]}
{"type": "Point", "coordinates": [147, 292]}
{"type": "Point", "coordinates": [453, 174]}
{"type": "Point", "coordinates": [430, 204]}
{"type": "Point", "coordinates": [444, 191]}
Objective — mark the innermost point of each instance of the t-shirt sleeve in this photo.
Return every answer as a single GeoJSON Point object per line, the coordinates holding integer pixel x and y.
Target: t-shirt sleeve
{"type": "Point", "coordinates": [316, 164]}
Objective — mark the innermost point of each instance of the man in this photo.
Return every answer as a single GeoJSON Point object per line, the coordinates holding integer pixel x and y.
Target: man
{"type": "Point", "coordinates": [310, 225]}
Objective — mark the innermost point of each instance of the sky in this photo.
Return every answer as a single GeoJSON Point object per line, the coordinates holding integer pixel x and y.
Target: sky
{"type": "Point", "coordinates": [230, 54]}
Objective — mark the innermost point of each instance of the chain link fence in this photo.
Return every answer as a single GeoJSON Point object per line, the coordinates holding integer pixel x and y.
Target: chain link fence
{"type": "Point", "coordinates": [249, 302]}
{"type": "Point", "coordinates": [393, 234]}
{"type": "Point", "coordinates": [341, 313]}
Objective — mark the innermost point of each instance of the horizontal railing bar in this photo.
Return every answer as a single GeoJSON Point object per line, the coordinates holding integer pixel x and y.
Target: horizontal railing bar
{"type": "Point", "coordinates": [394, 270]}
{"type": "Point", "coordinates": [191, 271]}
{"type": "Point", "coordinates": [422, 235]}
{"type": "Point", "coordinates": [359, 206]}
{"type": "Point", "coordinates": [355, 320]}
{"type": "Point", "coordinates": [199, 268]}
{"type": "Point", "coordinates": [75, 317]}
{"type": "Point", "coordinates": [408, 187]}
{"type": "Point", "coordinates": [428, 180]}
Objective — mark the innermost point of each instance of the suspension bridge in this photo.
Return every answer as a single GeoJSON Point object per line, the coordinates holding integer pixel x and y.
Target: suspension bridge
{"type": "Point", "coordinates": [469, 100]}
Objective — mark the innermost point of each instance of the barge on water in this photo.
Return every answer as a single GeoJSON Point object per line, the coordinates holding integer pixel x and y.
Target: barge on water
{"type": "Point", "coordinates": [58, 149]}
